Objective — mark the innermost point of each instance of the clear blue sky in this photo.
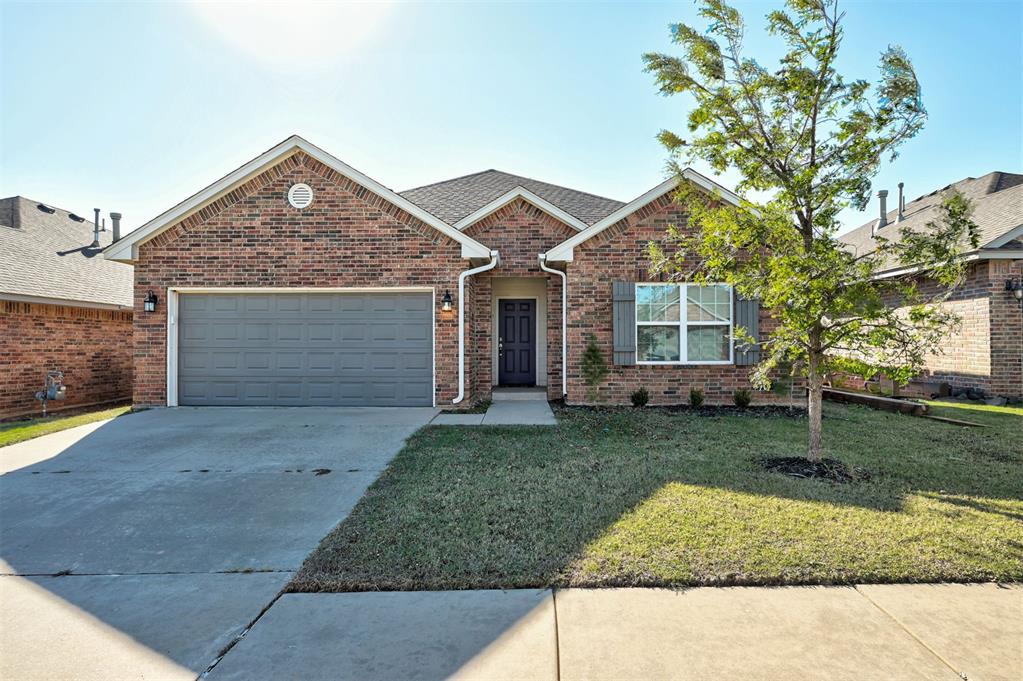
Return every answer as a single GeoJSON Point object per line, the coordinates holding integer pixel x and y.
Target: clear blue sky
{"type": "Point", "coordinates": [133, 107]}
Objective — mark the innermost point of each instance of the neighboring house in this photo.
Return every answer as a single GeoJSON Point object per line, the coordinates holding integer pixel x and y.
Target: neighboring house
{"type": "Point", "coordinates": [986, 352]}
{"type": "Point", "coordinates": [297, 280]}
{"type": "Point", "coordinates": [63, 307]}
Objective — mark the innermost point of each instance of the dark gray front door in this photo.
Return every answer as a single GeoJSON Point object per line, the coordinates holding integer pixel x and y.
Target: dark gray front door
{"type": "Point", "coordinates": [302, 349]}
{"type": "Point", "coordinates": [517, 342]}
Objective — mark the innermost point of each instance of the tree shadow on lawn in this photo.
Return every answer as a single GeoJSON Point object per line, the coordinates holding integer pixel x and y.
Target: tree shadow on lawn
{"type": "Point", "coordinates": [648, 497]}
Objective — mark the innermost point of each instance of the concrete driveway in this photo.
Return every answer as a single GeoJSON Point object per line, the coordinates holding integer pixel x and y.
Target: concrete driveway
{"type": "Point", "coordinates": [141, 547]}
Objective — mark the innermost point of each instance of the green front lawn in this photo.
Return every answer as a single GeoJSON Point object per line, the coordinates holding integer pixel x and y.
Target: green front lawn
{"type": "Point", "coordinates": [19, 431]}
{"type": "Point", "coordinates": [643, 498]}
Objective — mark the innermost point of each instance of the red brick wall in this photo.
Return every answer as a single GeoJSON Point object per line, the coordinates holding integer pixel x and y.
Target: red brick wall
{"type": "Point", "coordinates": [252, 237]}
{"type": "Point", "coordinates": [620, 254]}
{"type": "Point", "coordinates": [986, 350]}
{"type": "Point", "coordinates": [92, 347]}
{"type": "Point", "coordinates": [1006, 330]}
{"type": "Point", "coordinates": [520, 232]}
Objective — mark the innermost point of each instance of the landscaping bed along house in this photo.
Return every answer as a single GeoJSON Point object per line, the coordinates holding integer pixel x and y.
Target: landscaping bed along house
{"type": "Point", "coordinates": [653, 497]}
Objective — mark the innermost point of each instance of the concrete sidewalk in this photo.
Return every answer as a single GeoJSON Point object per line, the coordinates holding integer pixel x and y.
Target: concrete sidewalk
{"type": "Point", "coordinates": [945, 631]}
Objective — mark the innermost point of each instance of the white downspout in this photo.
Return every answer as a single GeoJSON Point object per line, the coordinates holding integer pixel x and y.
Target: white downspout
{"type": "Point", "coordinates": [564, 321]}
{"type": "Point", "coordinates": [494, 260]}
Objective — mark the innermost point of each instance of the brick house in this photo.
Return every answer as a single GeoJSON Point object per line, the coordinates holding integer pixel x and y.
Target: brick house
{"type": "Point", "coordinates": [63, 307]}
{"type": "Point", "coordinates": [297, 280]}
{"type": "Point", "coordinates": [986, 352]}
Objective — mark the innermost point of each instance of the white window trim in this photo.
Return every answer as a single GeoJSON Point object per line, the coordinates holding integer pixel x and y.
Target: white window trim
{"type": "Point", "coordinates": [683, 323]}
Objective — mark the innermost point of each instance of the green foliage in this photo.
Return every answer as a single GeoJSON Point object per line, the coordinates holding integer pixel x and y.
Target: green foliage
{"type": "Point", "coordinates": [594, 367]}
{"type": "Point", "coordinates": [640, 397]}
{"type": "Point", "coordinates": [810, 141]}
{"type": "Point", "coordinates": [695, 397]}
{"type": "Point", "coordinates": [742, 397]}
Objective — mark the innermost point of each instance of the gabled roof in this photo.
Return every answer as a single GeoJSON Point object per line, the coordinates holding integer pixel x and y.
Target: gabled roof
{"type": "Point", "coordinates": [127, 248]}
{"type": "Point", "coordinates": [48, 257]}
{"type": "Point", "coordinates": [565, 251]}
{"type": "Point", "coordinates": [454, 200]}
{"type": "Point", "coordinates": [997, 209]}
{"type": "Point", "coordinates": [526, 195]}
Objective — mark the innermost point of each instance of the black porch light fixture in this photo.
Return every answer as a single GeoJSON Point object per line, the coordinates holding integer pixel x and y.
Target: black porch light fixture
{"type": "Point", "coordinates": [445, 303]}
{"type": "Point", "coordinates": [1015, 286]}
{"type": "Point", "coordinates": [149, 304]}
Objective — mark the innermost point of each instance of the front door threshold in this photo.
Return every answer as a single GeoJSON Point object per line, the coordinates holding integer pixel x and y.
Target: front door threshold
{"type": "Point", "coordinates": [532, 393]}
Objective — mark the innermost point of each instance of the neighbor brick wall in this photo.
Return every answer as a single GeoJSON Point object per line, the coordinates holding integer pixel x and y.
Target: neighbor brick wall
{"type": "Point", "coordinates": [620, 254]}
{"type": "Point", "coordinates": [986, 350]}
{"type": "Point", "coordinates": [1006, 330]}
{"type": "Point", "coordinates": [253, 237]}
{"type": "Point", "coordinates": [92, 347]}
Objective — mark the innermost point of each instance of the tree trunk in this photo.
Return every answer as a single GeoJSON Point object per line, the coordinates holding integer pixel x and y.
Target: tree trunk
{"type": "Point", "coordinates": [816, 446]}
{"type": "Point", "coordinates": [814, 399]}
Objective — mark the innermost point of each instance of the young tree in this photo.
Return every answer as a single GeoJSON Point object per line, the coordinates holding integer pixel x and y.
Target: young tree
{"type": "Point", "coordinates": [812, 141]}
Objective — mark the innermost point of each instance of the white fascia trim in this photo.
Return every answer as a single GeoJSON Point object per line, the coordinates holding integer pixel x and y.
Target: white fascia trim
{"type": "Point", "coordinates": [1011, 235]}
{"type": "Point", "coordinates": [520, 192]}
{"type": "Point", "coordinates": [66, 302]}
{"type": "Point", "coordinates": [565, 251]}
{"type": "Point", "coordinates": [983, 254]}
{"type": "Point", "coordinates": [126, 249]}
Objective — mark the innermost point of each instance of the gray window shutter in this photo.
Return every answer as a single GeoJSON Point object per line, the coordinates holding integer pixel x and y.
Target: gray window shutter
{"type": "Point", "coordinates": [747, 315]}
{"type": "Point", "coordinates": [623, 297]}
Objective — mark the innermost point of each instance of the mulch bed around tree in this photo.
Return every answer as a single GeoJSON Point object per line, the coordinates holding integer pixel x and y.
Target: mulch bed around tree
{"type": "Point", "coordinates": [801, 467]}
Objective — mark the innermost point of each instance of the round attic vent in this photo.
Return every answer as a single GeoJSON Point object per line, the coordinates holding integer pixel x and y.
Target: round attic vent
{"type": "Point", "coordinates": [300, 195]}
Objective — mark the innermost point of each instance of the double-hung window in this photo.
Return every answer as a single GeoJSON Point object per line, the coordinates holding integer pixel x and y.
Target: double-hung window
{"type": "Point", "coordinates": [683, 324]}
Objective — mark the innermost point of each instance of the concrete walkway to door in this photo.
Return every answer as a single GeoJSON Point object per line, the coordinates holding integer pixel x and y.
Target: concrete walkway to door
{"type": "Point", "coordinates": [509, 407]}
{"type": "Point", "coordinates": [891, 632]}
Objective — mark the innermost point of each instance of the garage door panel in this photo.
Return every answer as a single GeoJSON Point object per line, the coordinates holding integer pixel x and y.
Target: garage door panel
{"type": "Point", "coordinates": [345, 349]}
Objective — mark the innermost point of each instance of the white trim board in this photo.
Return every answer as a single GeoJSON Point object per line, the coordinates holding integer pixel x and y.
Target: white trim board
{"type": "Point", "coordinates": [565, 251]}
{"type": "Point", "coordinates": [982, 254]}
{"type": "Point", "coordinates": [1012, 234]}
{"type": "Point", "coordinates": [66, 302]}
{"type": "Point", "coordinates": [526, 195]}
{"type": "Point", "coordinates": [126, 249]}
{"type": "Point", "coordinates": [172, 319]}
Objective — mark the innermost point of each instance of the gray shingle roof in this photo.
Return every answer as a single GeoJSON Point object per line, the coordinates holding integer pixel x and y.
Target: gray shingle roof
{"type": "Point", "coordinates": [49, 255]}
{"type": "Point", "coordinates": [453, 200]}
{"type": "Point", "coordinates": [997, 209]}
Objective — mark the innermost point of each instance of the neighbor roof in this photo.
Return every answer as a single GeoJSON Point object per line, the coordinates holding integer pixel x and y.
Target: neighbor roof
{"type": "Point", "coordinates": [49, 255]}
{"type": "Point", "coordinates": [453, 200]}
{"type": "Point", "coordinates": [997, 209]}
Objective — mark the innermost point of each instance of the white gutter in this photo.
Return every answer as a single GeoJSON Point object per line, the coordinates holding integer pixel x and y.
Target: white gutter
{"type": "Point", "coordinates": [494, 260]}
{"type": "Point", "coordinates": [564, 321]}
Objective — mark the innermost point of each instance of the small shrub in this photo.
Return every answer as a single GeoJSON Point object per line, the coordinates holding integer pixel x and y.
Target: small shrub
{"type": "Point", "coordinates": [594, 367]}
{"type": "Point", "coordinates": [695, 397]}
{"type": "Point", "coordinates": [640, 397]}
{"type": "Point", "coordinates": [742, 397]}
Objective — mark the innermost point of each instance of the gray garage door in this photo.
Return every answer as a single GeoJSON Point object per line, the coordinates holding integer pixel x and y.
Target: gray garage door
{"type": "Point", "coordinates": [301, 349]}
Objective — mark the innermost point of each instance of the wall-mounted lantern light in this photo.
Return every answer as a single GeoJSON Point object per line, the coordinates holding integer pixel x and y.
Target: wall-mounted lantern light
{"type": "Point", "coordinates": [1015, 286]}
{"type": "Point", "coordinates": [149, 304]}
{"type": "Point", "coordinates": [445, 303]}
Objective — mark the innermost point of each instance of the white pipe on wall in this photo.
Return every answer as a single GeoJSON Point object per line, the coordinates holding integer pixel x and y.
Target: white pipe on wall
{"type": "Point", "coordinates": [564, 321]}
{"type": "Point", "coordinates": [494, 260]}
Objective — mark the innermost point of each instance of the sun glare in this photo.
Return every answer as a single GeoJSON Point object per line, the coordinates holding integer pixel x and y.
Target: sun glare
{"type": "Point", "coordinates": [294, 35]}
